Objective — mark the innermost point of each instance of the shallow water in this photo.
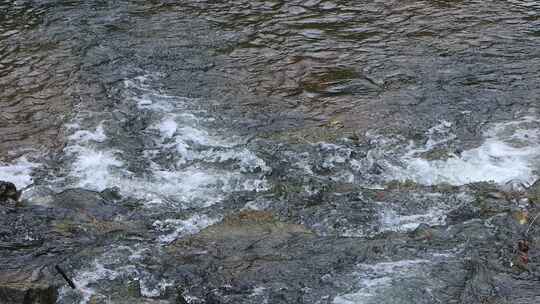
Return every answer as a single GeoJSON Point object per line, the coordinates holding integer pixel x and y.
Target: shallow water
{"type": "Point", "coordinates": [189, 107]}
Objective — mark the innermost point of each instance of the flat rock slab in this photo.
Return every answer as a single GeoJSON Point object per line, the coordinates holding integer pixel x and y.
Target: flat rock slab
{"type": "Point", "coordinates": [35, 238]}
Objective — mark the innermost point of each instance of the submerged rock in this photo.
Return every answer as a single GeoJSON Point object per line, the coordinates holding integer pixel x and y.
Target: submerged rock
{"type": "Point", "coordinates": [480, 286]}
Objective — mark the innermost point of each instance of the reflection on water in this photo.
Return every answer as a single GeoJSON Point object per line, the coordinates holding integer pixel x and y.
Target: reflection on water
{"type": "Point", "coordinates": [296, 64]}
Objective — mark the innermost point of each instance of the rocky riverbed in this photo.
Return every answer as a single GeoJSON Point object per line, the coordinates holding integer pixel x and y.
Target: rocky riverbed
{"type": "Point", "coordinates": [483, 250]}
{"type": "Point", "coordinates": [319, 152]}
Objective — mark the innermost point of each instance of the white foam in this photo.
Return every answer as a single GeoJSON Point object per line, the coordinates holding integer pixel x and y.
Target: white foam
{"type": "Point", "coordinates": [210, 168]}
{"type": "Point", "coordinates": [493, 161]}
{"type": "Point", "coordinates": [86, 136]}
{"type": "Point", "coordinates": [100, 169]}
{"type": "Point", "coordinates": [18, 172]}
{"type": "Point", "coordinates": [246, 160]}
{"type": "Point", "coordinates": [167, 127]}
{"type": "Point", "coordinates": [390, 220]}
{"type": "Point", "coordinates": [202, 170]}
{"type": "Point", "coordinates": [186, 137]}
{"type": "Point", "coordinates": [179, 228]}
{"type": "Point", "coordinates": [147, 102]}
{"type": "Point", "coordinates": [336, 160]}
{"type": "Point", "coordinates": [93, 168]}
{"type": "Point", "coordinates": [85, 279]}
{"type": "Point", "coordinates": [374, 279]}
{"type": "Point", "coordinates": [510, 151]}
{"type": "Point", "coordinates": [109, 267]}
{"type": "Point", "coordinates": [97, 170]}
{"type": "Point", "coordinates": [439, 134]}
{"type": "Point", "coordinates": [202, 187]}
{"type": "Point", "coordinates": [152, 289]}
{"type": "Point", "coordinates": [257, 291]}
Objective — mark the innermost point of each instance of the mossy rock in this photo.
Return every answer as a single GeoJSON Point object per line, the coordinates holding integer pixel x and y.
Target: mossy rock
{"type": "Point", "coordinates": [446, 188]}
{"type": "Point", "coordinates": [95, 227]}
{"type": "Point", "coordinates": [319, 81]}
{"type": "Point", "coordinates": [437, 154]}
{"type": "Point", "coordinates": [66, 227]}
{"type": "Point", "coordinates": [402, 185]}
{"type": "Point", "coordinates": [28, 293]}
{"type": "Point", "coordinates": [247, 224]}
{"type": "Point", "coordinates": [286, 189]}
{"type": "Point", "coordinates": [533, 192]}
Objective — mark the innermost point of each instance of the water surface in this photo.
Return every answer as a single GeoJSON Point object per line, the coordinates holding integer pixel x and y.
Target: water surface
{"type": "Point", "coordinates": [198, 109]}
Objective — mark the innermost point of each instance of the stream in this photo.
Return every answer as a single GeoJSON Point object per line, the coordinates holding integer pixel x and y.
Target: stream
{"type": "Point", "coordinates": [336, 152]}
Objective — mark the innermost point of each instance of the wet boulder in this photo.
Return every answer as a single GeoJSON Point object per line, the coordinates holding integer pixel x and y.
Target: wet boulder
{"type": "Point", "coordinates": [253, 253]}
{"type": "Point", "coordinates": [67, 229]}
{"type": "Point", "coordinates": [243, 245]}
{"type": "Point", "coordinates": [8, 193]}
{"type": "Point", "coordinates": [85, 204]}
{"type": "Point", "coordinates": [27, 287]}
{"type": "Point", "coordinates": [29, 249]}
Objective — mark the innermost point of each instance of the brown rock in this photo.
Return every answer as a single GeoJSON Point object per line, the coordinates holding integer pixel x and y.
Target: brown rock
{"type": "Point", "coordinates": [27, 287]}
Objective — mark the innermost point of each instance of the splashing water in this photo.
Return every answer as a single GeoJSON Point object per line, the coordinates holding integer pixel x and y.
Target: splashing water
{"type": "Point", "coordinates": [509, 152]}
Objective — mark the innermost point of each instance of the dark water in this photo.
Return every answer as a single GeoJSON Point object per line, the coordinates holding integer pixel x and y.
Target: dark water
{"type": "Point", "coordinates": [358, 121]}
{"type": "Point", "coordinates": [297, 65]}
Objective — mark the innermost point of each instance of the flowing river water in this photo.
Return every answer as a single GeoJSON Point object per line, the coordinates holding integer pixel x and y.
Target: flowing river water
{"type": "Point", "coordinates": [353, 125]}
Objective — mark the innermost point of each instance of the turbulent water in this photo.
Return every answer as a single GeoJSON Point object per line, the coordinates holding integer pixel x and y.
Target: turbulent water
{"type": "Point", "coordinates": [195, 110]}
